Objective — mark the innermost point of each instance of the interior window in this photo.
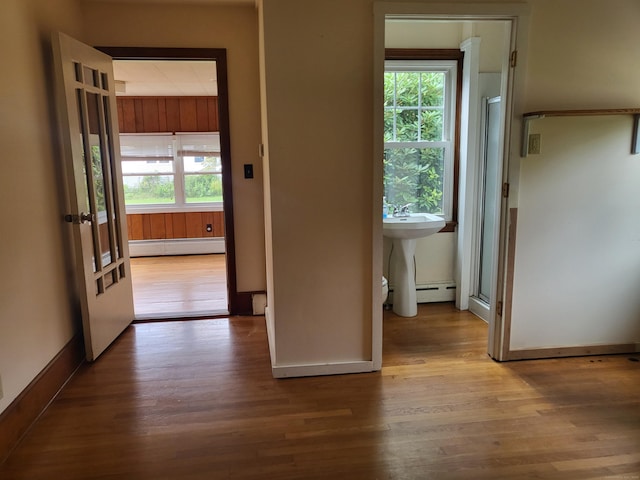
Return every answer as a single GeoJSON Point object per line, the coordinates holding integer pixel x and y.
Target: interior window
{"type": "Point", "coordinates": [419, 133]}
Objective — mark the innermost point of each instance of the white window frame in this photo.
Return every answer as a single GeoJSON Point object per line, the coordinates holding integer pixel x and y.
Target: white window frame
{"type": "Point", "coordinates": [450, 69]}
{"type": "Point", "coordinates": [180, 204]}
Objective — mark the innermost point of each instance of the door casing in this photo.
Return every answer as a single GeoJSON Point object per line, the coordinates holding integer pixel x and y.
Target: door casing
{"type": "Point", "coordinates": [517, 14]}
{"type": "Point", "coordinates": [219, 55]}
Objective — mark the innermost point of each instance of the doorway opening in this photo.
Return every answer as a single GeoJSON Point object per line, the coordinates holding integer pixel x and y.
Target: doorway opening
{"type": "Point", "coordinates": [174, 141]}
{"type": "Point", "coordinates": [456, 259]}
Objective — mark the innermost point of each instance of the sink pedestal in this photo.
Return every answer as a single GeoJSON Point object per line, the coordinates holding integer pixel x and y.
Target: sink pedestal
{"type": "Point", "coordinates": [403, 274]}
{"type": "Point", "coordinates": [404, 231]}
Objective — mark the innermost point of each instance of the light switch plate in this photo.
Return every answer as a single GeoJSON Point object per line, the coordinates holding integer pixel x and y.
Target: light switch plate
{"type": "Point", "coordinates": [534, 143]}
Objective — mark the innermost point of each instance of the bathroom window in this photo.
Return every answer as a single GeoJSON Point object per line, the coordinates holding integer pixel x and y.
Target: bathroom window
{"type": "Point", "coordinates": [419, 134]}
{"type": "Point", "coordinates": [165, 171]}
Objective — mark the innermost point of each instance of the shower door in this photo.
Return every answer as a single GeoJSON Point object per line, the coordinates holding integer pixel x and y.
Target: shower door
{"type": "Point", "coordinates": [488, 211]}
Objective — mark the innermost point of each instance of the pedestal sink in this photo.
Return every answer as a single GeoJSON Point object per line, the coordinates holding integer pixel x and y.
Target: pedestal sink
{"type": "Point", "coordinates": [404, 231]}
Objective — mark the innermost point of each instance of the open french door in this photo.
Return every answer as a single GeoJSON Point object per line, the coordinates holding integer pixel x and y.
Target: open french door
{"type": "Point", "coordinates": [87, 115]}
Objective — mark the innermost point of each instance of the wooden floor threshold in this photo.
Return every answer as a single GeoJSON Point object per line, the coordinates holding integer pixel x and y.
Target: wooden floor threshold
{"type": "Point", "coordinates": [180, 317]}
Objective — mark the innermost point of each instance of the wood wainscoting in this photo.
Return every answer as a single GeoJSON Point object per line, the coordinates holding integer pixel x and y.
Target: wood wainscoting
{"type": "Point", "coordinates": [162, 226]}
{"type": "Point", "coordinates": [168, 114]}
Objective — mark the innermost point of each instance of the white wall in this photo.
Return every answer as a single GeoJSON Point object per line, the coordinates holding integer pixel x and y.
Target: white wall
{"type": "Point", "coordinates": [577, 264]}
{"type": "Point", "coordinates": [577, 267]}
{"type": "Point", "coordinates": [200, 26]}
{"type": "Point", "coordinates": [36, 321]}
{"type": "Point", "coordinates": [449, 34]}
{"type": "Point", "coordinates": [583, 54]}
{"type": "Point", "coordinates": [319, 107]}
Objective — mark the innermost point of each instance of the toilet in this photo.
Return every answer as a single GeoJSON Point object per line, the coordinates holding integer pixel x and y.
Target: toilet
{"type": "Point", "coordinates": [385, 290]}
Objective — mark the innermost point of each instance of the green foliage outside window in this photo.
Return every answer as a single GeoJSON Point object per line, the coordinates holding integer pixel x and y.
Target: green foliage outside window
{"type": "Point", "coordinates": [414, 114]}
{"type": "Point", "coordinates": [150, 189]}
{"type": "Point", "coordinates": [98, 178]}
{"type": "Point", "coordinates": [203, 188]}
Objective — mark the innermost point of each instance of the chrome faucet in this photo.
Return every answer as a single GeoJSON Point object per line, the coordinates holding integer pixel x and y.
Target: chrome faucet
{"type": "Point", "coordinates": [401, 211]}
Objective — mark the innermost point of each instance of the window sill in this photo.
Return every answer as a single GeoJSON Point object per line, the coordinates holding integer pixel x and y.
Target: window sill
{"type": "Point", "coordinates": [449, 227]}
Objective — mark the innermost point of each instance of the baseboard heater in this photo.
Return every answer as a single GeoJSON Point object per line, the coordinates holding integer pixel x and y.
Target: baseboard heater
{"type": "Point", "coordinates": [180, 246]}
{"type": "Point", "coordinates": [433, 292]}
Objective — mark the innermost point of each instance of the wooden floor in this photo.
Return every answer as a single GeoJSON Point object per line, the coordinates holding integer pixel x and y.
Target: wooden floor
{"type": "Point", "coordinates": [196, 400]}
{"type": "Point", "coordinates": [179, 286]}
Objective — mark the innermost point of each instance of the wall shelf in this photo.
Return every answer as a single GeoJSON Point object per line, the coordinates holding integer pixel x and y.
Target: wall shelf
{"type": "Point", "coordinates": [527, 117]}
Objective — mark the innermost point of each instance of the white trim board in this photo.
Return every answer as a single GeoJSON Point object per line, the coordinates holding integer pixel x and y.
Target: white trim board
{"type": "Point", "coordinates": [182, 246]}
{"type": "Point", "coordinates": [479, 308]}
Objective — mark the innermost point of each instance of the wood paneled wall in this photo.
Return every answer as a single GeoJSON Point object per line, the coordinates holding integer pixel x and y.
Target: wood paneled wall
{"type": "Point", "coordinates": [161, 226]}
{"type": "Point", "coordinates": [167, 114]}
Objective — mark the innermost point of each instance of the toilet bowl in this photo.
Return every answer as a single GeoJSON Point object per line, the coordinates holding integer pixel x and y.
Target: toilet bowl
{"type": "Point", "coordinates": [385, 289]}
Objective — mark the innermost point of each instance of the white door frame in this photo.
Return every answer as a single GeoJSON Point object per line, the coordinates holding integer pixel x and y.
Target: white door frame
{"type": "Point", "coordinates": [513, 82]}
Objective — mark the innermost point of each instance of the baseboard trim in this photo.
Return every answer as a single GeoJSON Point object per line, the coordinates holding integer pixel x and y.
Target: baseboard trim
{"type": "Point", "coordinates": [289, 371]}
{"type": "Point", "coordinates": [479, 308]}
{"type": "Point", "coordinates": [244, 304]}
{"type": "Point", "coordinates": [181, 246]}
{"type": "Point", "coordinates": [430, 293]}
{"type": "Point", "coordinates": [18, 417]}
{"type": "Point", "coordinates": [540, 353]}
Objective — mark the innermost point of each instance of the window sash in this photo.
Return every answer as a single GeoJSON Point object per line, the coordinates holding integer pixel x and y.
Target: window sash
{"type": "Point", "coordinates": [449, 68]}
{"type": "Point", "coordinates": [171, 148]}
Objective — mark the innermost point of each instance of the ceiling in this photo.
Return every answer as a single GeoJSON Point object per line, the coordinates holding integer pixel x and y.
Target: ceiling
{"type": "Point", "coordinates": [164, 78]}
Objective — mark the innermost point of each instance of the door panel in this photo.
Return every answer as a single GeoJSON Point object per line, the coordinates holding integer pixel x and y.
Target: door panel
{"type": "Point", "coordinates": [91, 163]}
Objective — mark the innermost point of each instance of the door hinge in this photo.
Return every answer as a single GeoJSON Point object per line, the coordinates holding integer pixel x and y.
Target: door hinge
{"type": "Point", "coordinates": [513, 59]}
{"type": "Point", "coordinates": [499, 309]}
{"type": "Point", "coordinates": [505, 190]}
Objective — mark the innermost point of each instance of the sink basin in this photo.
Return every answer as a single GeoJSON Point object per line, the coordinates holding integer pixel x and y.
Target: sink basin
{"type": "Point", "coordinates": [417, 225]}
{"type": "Point", "coordinates": [404, 232]}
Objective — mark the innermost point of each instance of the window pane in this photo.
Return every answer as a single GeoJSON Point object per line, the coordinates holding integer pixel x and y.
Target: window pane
{"type": "Point", "coordinates": [407, 125]}
{"type": "Point", "coordinates": [415, 176]}
{"type": "Point", "coordinates": [147, 166]}
{"type": "Point", "coordinates": [389, 88]}
{"type": "Point", "coordinates": [388, 125]}
{"type": "Point", "coordinates": [203, 188]}
{"type": "Point", "coordinates": [432, 84]}
{"type": "Point", "coordinates": [148, 189]}
{"type": "Point", "coordinates": [431, 125]}
{"type": "Point", "coordinates": [407, 89]}
{"type": "Point", "coordinates": [202, 164]}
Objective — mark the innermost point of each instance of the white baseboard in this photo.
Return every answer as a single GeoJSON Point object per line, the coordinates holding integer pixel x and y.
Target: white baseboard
{"type": "Point", "coordinates": [259, 303]}
{"type": "Point", "coordinates": [479, 308]}
{"type": "Point", "coordinates": [433, 292]}
{"type": "Point", "coordinates": [288, 371]}
{"type": "Point", "coordinates": [181, 246]}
